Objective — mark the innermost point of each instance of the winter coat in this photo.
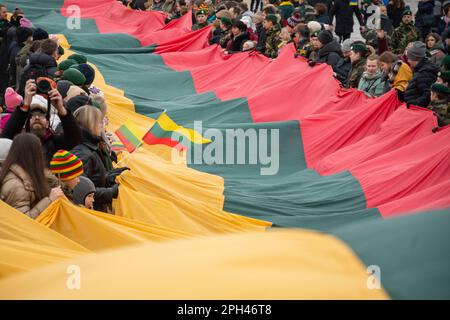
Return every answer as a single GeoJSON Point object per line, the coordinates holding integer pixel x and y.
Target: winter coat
{"type": "Point", "coordinates": [401, 79]}
{"type": "Point", "coordinates": [344, 16]}
{"type": "Point", "coordinates": [17, 190]}
{"type": "Point", "coordinates": [355, 73]}
{"type": "Point", "coordinates": [14, 50]}
{"type": "Point", "coordinates": [373, 85]}
{"type": "Point", "coordinates": [51, 142]}
{"type": "Point", "coordinates": [89, 153]}
{"type": "Point", "coordinates": [330, 53]}
{"type": "Point", "coordinates": [442, 110]}
{"type": "Point", "coordinates": [395, 14]}
{"type": "Point", "coordinates": [419, 87]}
{"type": "Point", "coordinates": [4, 45]}
{"type": "Point", "coordinates": [323, 19]}
{"type": "Point", "coordinates": [261, 33]}
{"type": "Point", "coordinates": [272, 42]}
{"type": "Point", "coordinates": [236, 43]}
{"type": "Point", "coordinates": [425, 17]}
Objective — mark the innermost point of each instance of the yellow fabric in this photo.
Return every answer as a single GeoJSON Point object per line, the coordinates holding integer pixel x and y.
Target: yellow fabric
{"type": "Point", "coordinates": [271, 265]}
{"type": "Point", "coordinates": [169, 125]}
{"type": "Point", "coordinates": [99, 231]}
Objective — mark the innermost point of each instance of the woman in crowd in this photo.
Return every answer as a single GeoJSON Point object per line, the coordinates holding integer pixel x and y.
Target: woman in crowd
{"type": "Point", "coordinates": [23, 184]}
{"type": "Point", "coordinates": [95, 163]}
{"type": "Point", "coordinates": [435, 48]}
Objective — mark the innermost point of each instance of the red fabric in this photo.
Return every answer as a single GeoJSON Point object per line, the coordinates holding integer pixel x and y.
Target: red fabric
{"type": "Point", "coordinates": [191, 41]}
{"type": "Point", "coordinates": [403, 127]}
{"type": "Point", "coordinates": [406, 171]}
{"type": "Point", "coordinates": [326, 133]}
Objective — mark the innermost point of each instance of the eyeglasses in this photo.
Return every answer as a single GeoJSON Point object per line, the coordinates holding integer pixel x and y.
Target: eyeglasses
{"type": "Point", "coordinates": [37, 115]}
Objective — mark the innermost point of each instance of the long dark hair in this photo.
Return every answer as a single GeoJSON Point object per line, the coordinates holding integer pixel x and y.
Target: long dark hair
{"type": "Point", "coordinates": [26, 152]}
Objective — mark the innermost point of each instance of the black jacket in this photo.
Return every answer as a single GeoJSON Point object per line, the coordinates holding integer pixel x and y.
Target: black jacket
{"type": "Point", "coordinates": [261, 33]}
{"type": "Point", "coordinates": [4, 45]}
{"type": "Point", "coordinates": [51, 142]}
{"type": "Point", "coordinates": [40, 61]}
{"type": "Point", "coordinates": [344, 16]}
{"type": "Point", "coordinates": [88, 152]}
{"type": "Point", "coordinates": [330, 53]}
{"type": "Point", "coordinates": [419, 87]}
{"type": "Point", "coordinates": [238, 42]}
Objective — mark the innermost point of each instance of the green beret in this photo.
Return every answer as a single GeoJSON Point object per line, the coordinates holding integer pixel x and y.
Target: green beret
{"type": "Point", "coordinates": [315, 34]}
{"type": "Point", "coordinates": [79, 58]}
{"type": "Point", "coordinates": [60, 50]}
{"type": "Point", "coordinates": [225, 21]}
{"type": "Point", "coordinates": [439, 87]}
{"type": "Point", "coordinates": [407, 11]}
{"type": "Point", "coordinates": [446, 62]}
{"type": "Point", "coordinates": [272, 17]}
{"type": "Point", "coordinates": [359, 47]}
{"type": "Point", "coordinates": [75, 76]}
{"type": "Point", "coordinates": [201, 11]}
{"type": "Point", "coordinates": [444, 75]}
{"type": "Point", "coordinates": [66, 64]}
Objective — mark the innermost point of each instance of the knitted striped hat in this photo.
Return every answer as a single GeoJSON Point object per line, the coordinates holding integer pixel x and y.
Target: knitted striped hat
{"type": "Point", "coordinates": [66, 165]}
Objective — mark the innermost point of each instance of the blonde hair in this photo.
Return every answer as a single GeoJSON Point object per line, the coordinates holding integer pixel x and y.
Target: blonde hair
{"type": "Point", "coordinates": [88, 117]}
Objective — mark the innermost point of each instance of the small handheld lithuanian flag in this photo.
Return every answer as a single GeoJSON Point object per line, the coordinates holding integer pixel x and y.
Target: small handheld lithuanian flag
{"type": "Point", "coordinates": [129, 135]}
{"type": "Point", "coordinates": [166, 131]}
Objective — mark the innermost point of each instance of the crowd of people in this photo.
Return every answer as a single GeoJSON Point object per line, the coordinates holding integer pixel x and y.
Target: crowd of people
{"type": "Point", "coordinates": [52, 121]}
{"type": "Point", "coordinates": [52, 124]}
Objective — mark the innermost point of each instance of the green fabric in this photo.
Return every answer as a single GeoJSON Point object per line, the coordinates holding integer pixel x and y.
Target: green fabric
{"type": "Point", "coordinates": [412, 253]}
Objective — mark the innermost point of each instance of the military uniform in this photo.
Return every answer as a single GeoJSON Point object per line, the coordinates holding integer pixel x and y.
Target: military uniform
{"type": "Point", "coordinates": [272, 42]}
{"type": "Point", "coordinates": [225, 38]}
{"type": "Point", "coordinates": [199, 26]}
{"type": "Point", "coordinates": [403, 35]}
{"type": "Point", "coordinates": [442, 110]}
{"type": "Point", "coordinates": [355, 73]}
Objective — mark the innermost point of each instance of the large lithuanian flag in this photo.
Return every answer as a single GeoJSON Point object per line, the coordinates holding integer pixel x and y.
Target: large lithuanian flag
{"type": "Point", "coordinates": [345, 164]}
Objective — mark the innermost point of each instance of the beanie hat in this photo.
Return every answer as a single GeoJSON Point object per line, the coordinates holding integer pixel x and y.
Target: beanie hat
{"type": "Point", "coordinates": [314, 26]}
{"type": "Point", "coordinates": [79, 58]}
{"type": "Point", "coordinates": [74, 76]}
{"type": "Point", "coordinates": [66, 64]}
{"type": "Point", "coordinates": [347, 45]}
{"type": "Point", "coordinates": [22, 34]}
{"type": "Point", "coordinates": [225, 21]}
{"type": "Point", "coordinates": [439, 87]}
{"type": "Point", "coordinates": [325, 37]}
{"type": "Point", "coordinates": [40, 34]}
{"type": "Point", "coordinates": [63, 86]}
{"type": "Point", "coordinates": [66, 166]}
{"type": "Point", "coordinates": [76, 102]}
{"type": "Point", "coordinates": [417, 51]}
{"type": "Point", "coordinates": [24, 22]}
{"type": "Point", "coordinates": [359, 47]}
{"type": "Point", "coordinates": [75, 91]}
{"type": "Point", "coordinates": [407, 11]}
{"type": "Point", "coordinates": [5, 145]}
{"type": "Point", "coordinates": [293, 21]}
{"type": "Point", "coordinates": [271, 17]}
{"type": "Point", "coordinates": [39, 103]}
{"type": "Point", "coordinates": [88, 72]}
{"type": "Point", "coordinates": [444, 75]}
{"type": "Point", "coordinates": [446, 62]}
{"type": "Point", "coordinates": [12, 98]}
{"type": "Point", "coordinates": [83, 188]}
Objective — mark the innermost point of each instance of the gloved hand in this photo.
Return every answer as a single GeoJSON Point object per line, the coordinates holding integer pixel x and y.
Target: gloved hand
{"type": "Point", "coordinates": [115, 191]}
{"type": "Point", "coordinates": [111, 178]}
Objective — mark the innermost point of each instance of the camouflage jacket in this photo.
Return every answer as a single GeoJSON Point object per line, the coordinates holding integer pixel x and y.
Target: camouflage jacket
{"type": "Point", "coordinates": [199, 26]}
{"type": "Point", "coordinates": [403, 35]}
{"type": "Point", "coordinates": [442, 110]}
{"type": "Point", "coordinates": [225, 38]}
{"type": "Point", "coordinates": [355, 73]}
{"type": "Point", "coordinates": [272, 42]}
